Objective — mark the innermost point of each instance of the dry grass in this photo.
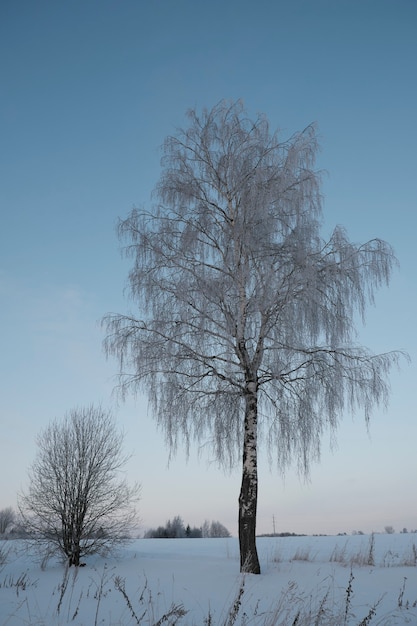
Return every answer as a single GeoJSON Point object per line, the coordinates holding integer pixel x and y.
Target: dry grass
{"type": "Point", "coordinates": [303, 554]}
{"type": "Point", "coordinates": [326, 605]}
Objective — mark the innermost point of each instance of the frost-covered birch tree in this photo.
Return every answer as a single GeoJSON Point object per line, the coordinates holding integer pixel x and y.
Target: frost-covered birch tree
{"type": "Point", "coordinates": [243, 326]}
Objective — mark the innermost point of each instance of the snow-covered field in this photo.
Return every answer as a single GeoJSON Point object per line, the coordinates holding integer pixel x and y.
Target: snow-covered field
{"type": "Point", "coordinates": [304, 580]}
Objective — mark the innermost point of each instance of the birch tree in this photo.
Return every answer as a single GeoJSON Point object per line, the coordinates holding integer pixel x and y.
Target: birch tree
{"type": "Point", "coordinates": [243, 325]}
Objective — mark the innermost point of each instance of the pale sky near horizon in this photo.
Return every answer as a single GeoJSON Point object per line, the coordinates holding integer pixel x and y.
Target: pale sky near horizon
{"type": "Point", "coordinates": [89, 91]}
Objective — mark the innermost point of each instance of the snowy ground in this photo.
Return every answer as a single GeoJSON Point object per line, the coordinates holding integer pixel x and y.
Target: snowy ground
{"type": "Point", "coordinates": [323, 580]}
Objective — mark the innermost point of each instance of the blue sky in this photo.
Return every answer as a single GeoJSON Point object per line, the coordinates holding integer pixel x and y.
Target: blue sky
{"type": "Point", "coordinates": [89, 91]}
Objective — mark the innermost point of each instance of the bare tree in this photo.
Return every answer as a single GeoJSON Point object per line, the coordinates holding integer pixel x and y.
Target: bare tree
{"type": "Point", "coordinates": [244, 325]}
{"type": "Point", "coordinates": [218, 530]}
{"type": "Point", "coordinates": [77, 503]}
{"type": "Point", "coordinates": [7, 517]}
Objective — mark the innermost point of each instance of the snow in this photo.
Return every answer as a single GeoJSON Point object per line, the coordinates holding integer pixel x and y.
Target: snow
{"type": "Point", "coordinates": [202, 575]}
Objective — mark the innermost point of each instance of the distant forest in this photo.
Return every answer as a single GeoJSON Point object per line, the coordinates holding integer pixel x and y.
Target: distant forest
{"type": "Point", "coordinates": [176, 529]}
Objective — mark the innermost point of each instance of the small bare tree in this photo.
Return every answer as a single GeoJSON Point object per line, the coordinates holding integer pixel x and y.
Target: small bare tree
{"type": "Point", "coordinates": [218, 530]}
{"type": "Point", "coordinates": [7, 517]}
{"type": "Point", "coordinates": [77, 503]}
{"type": "Point", "coordinates": [245, 314]}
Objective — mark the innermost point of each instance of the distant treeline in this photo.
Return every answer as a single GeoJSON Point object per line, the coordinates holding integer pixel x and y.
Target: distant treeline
{"type": "Point", "coordinates": [176, 529]}
{"type": "Point", "coordinates": [283, 535]}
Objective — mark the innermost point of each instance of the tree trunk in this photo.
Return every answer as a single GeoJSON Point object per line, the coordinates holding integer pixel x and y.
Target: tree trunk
{"type": "Point", "coordinates": [74, 557]}
{"type": "Point", "coordinates": [248, 498]}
